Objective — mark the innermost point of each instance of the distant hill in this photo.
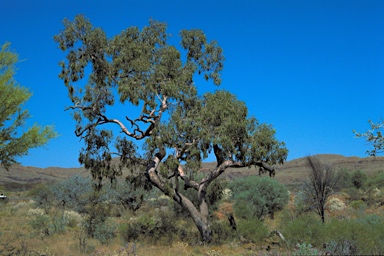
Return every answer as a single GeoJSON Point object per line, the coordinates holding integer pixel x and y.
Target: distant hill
{"type": "Point", "coordinates": [27, 175]}
{"type": "Point", "coordinates": [291, 173]}
{"type": "Point", "coordinates": [294, 172]}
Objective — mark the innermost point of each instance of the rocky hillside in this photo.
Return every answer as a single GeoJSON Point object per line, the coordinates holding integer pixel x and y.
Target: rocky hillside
{"type": "Point", "coordinates": [295, 171]}
{"type": "Point", "coordinates": [291, 173]}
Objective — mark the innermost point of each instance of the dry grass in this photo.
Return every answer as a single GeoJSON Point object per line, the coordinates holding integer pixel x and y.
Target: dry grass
{"type": "Point", "coordinates": [18, 237]}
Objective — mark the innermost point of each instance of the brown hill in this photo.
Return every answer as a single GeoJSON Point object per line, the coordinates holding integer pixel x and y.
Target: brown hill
{"type": "Point", "coordinates": [291, 173]}
{"type": "Point", "coordinates": [24, 176]}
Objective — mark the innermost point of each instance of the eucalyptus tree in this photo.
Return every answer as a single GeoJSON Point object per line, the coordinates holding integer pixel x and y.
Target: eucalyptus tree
{"type": "Point", "coordinates": [14, 142]}
{"type": "Point", "coordinates": [178, 127]}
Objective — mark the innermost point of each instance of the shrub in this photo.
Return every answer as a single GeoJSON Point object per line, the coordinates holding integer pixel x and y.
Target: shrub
{"type": "Point", "coordinates": [59, 223]}
{"type": "Point", "coordinates": [345, 181]}
{"type": "Point", "coordinates": [377, 180]}
{"type": "Point", "coordinates": [222, 232]}
{"type": "Point", "coordinates": [358, 205]}
{"type": "Point", "coordinates": [354, 194]}
{"type": "Point", "coordinates": [359, 179]}
{"type": "Point", "coordinates": [343, 247]}
{"type": "Point", "coordinates": [306, 249]}
{"type": "Point", "coordinates": [74, 218]}
{"type": "Point", "coordinates": [361, 235]}
{"type": "Point", "coordinates": [257, 197]}
{"type": "Point", "coordinates": [73, 192]}
{"type": "Point", "coordinates": [105, 231]}
{"type": "Point", "coordinates": [252, 229]}
{"type": "Point", "coordinates": [306, 229]}
{"type": "Point", "coordinates": [41, 223]}
{"type": "Point", "coordinates": [35, 212]}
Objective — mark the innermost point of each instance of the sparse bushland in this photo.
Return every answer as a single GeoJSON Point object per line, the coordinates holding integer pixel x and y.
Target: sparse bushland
{"type": "Point", "coordinates": [160, 227]}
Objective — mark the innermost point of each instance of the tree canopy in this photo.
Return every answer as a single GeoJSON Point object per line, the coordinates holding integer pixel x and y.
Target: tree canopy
{"type": "Point", "coordinates": [178, 126]}
{"type": "Point", "coordinates": [14, 142]}
{"type": "Point", "coordinates": [374, 136]}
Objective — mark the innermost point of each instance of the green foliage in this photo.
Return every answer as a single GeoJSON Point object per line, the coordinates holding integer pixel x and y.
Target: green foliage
{"type": "Point", "coordinates": [373, 136]}
{"type": "Point", "coordinates": [377, 181]}
{"type": "Point", "coordinates": [142, 70]}
{"type": "Point", "coordinates": [43, 196]}
{"type": "Point", "coordinates": [359, 179]}
{"type": "Point", "coordinates": [131, 194]}
{"type": "Point", "coordinates": [156, 228]}
{"type": "Point", "coordinates": [306, 229]}
{"type": "Point", "coordinates": [306, 249]}
{"type": "Point", "coordinates": [358, 205]}
{"type": "Point", "coordinates": [59, 222]}
{"type": "Point", "coordinates": [13, 143]}
{"type": "Point", "coordinates": [343, 247]}
{"type": "Point", "coordinates": [72, 193]}
{"type": "Point", "coordinates": [252, 229]}
{"type": "Point", "coordinates": [48, 225]}
{"type": "Point", "coordinates": [362, 235]}
{"type": "Point", "coordinates": [222, 232]}
{"type": "Point", "coordinates": [256, 197]}
{"type": "Point", "coordinates": [301, 204]}
{"type": "Point", "coordinates": [41, 223]}
{"type": "Point", "coordinates": [345, 180]}
{"type": "Point", "coordinates": [105, 231]}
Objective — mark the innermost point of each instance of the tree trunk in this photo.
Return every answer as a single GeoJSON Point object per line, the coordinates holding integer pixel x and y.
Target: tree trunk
{"type": "Point", "coordinates": [322, 215]}
{"type": "Point", "coordinates": [200, 218]}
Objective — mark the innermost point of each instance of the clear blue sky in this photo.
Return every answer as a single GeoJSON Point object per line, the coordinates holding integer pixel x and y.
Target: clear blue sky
{"type": "Point", "coordinates": [313, 69]}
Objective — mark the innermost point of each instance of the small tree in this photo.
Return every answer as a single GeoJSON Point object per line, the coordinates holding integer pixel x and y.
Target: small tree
{"type": "Point", "coordinates": [257, 197]}
{"type": "Point", "coordinates": [13, 143]}
{"type": "Point", "coordinates": [72, 192]}
{"type": "Point", "coordinates": [321, 184]}
{"type": "Point", "coordinates": [374, 136]}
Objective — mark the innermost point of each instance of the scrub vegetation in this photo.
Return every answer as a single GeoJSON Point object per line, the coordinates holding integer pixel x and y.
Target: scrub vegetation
{"type": "Point", "coordinates": [50, 219]}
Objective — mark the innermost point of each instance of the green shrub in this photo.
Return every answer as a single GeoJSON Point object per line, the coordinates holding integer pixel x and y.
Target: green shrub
{"type": "Point", "coordinates": [345, 180]}
{"type": "Point", "coordinates": [359, 179]}
{"type": "Point", "coordinates": [377, 180]}
{"type": "Point", "coordinates": [258, 197]}
{"type": "Point", "coordinates": [222, 232]}
{"type": "Point", "coordinates": [361, 235]}
{"type": "Point", "coordinates": [306, 229]}
{"type": "Point", "coordinates": [252, 229]}
{"type": "Point", "coordinates": [343, 247]}
{"type": "Point", "coordinates": [354, 194]}
{"type": "Point", "coordinates": [41, 223]}
{"type": "Point", "coordinates": [129, 231]}
{"type": "Point", "coordinates": [358, 205]}
{"type": "Point", "coordinates": [59, 223]}
{"type": "Point", "coordinates": [105, 231]}
{"type": "Point", "coordinates": [306, 249]}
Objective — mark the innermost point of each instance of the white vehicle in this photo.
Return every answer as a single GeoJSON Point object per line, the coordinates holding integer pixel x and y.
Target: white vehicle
{"type": "Point", "coordinates": [2, 196]}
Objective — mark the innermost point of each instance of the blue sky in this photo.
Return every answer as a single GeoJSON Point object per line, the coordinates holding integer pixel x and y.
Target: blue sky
{"type": "Point", "coordinates": [313, 69]}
